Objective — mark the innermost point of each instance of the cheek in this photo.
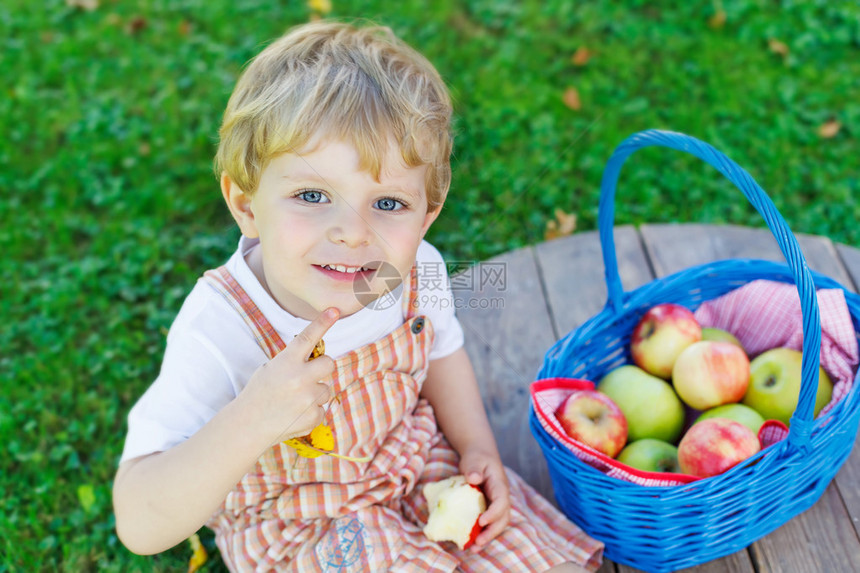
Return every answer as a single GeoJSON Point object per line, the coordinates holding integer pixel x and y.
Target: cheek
{"type": "Point", "coordinates": [287, 231]}
{"type": "Point", "coordinates": [401, 242]}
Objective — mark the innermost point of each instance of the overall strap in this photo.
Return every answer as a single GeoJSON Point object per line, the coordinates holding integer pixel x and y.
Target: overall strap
{"type": "Point", "coordinates": [267, 337]}
{"type": "Point", "coordinates": [265, 334]}
{"type": "Point", "coordinates": [410, 299]}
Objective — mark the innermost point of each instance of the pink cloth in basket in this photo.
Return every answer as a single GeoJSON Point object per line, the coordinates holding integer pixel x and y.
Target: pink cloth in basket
{"type": "Point", "coordinates": [762, 314]}
{"type": "Point", "coordinates": [766, 314]}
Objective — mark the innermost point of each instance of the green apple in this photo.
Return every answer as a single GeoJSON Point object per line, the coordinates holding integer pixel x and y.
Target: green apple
{"type": "Point", "coordinates": [651, 456]}
{"type": "Point", "coordinates": [737, 412]}
{"type": "Point", "coordinates": [775, 385]}
{"type": "Point", "coordinates": [649, 404]}
{"type": "Point", "coordinates": [710, 333]}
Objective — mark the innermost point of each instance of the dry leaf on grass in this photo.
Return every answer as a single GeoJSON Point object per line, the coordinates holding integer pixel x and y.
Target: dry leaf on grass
{"type": "Point", "coordinates": [829, 129]}
{"type": "Point", "coordinates": [777, 47]}
{"type": "Point", "coordinates": [718, 20]}
{"type": "Point", "coordinates": [564, 224]}
{"type": "Point", "coordinates": [88, 5]}
{"type": "Point", "coordinates": [184, 28]}
{"type": "Point", "coordinates": [136, 25]}
{"type": "Point", "coordinates": [571, 99]}
{"type": "Point", "coordinates": [581, 56]}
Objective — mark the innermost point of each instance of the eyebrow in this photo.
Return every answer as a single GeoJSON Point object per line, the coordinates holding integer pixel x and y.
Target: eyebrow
{"type": "Point", "coordinates": [302, 176]}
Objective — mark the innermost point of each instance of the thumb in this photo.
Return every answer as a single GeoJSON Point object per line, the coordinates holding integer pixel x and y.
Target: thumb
{"type": "Point", "coordinates": [304, 342]}
{"type": "Point", "coordinates": [473, 470]}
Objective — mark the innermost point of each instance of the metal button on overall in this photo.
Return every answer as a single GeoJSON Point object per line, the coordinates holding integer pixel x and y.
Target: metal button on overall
{"type": "Point", "coordinates": [418, 325]}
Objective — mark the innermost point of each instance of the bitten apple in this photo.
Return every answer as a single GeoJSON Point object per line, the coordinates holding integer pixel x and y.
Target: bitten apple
{"type": "Point", "coordinates": [455, 506]}
{"type": "Point", "coordinates": [660, 336]}
{"type": "Point", "coordinates": [775, 384]}
{"type": "Point", "coordinates": [593, 419]}
{"type": "Point", "coordinates": [649, 404]}
{"type": "Point", "coordinates": [651, 456]}
{"type": "Point", "coordinates": [711, 447]}
{"type": "Point", "coordinates": [710, 373]}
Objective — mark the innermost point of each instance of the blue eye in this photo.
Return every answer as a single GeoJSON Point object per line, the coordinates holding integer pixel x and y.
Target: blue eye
{"type": "Point", "coordinates": [312, 196]}
{"type": "Point", "coordinates": [389, 204]}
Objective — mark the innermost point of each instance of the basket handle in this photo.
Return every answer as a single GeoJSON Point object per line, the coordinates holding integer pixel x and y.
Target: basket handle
{"type": "Point", "coordinates": [801, 420]}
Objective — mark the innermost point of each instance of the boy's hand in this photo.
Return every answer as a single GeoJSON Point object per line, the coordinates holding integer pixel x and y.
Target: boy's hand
{"type": "Point", "coordinates": [486, 470]}
{"type": "Point", "coordinates": [289, 391]}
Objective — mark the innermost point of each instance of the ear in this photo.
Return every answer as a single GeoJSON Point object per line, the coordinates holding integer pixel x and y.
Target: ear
{"type": "Point", "coordinates": [429, 218]}
{"type": "Point", "coordinates": [239, 204]}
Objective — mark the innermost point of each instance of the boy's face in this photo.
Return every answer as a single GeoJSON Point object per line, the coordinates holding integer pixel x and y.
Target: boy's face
{"type": "Point", "coordinates": [323, 224]}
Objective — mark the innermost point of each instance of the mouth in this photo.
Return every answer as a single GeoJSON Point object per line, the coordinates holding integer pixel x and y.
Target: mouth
{"type": "Point", "coordinates": [346, 272]}
{"type": "Point", "coordinates": [345, 269]}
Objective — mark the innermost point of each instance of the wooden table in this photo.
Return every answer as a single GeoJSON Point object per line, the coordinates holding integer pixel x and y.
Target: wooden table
{"type": "Point", "coordinates": [518, 304]}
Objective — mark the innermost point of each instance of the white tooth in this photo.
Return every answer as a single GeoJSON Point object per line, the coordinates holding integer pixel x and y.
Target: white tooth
{"type": "Point", "coordinates": [351, 270]}
{"type": "Point", "coordinates": [340, 268]}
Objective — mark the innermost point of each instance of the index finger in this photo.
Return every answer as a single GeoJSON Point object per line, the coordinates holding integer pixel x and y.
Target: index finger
{"type": "Point", "coordinates": [304, 342]}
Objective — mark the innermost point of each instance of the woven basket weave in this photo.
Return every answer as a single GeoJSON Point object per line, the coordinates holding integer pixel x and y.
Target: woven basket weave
{"type": "Point", "coordinates": [667, 528]}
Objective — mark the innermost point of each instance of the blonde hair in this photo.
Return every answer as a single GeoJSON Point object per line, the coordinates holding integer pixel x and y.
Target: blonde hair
{"type": "Point", "coordinates": [357, 84]}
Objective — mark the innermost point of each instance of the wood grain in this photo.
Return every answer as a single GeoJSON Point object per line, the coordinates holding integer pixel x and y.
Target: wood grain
{"type": "Point", "coordinates": [506, 344]}
{"type": "Point", "coordinates": [572, 271]}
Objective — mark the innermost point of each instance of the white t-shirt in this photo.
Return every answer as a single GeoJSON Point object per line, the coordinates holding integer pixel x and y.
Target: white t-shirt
{"type": "Point", "coordinates": [211, 353]}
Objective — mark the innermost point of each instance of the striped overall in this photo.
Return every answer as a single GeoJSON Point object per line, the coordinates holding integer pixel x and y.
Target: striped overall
{"type": "Point", "coordinates": [324, 514]}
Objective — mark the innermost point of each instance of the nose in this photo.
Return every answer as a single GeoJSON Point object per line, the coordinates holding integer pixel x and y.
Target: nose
{"type": "Point", "coordinates": [350, 227]}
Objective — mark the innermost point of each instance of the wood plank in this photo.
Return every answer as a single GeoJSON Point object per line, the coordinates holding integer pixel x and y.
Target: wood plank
{"type": "Point", "coordinates": [572, 271]}
{"type": "Point", "coordinates": [507, 329]}
{"type": "Point", "coordinates": [734, 563]}
{"type": "Point", "coordinates": [850, 472]}
{"type": "Point", "coordinates": [820, 539]}
{"type": "Point", "coordinates": [851, 259]}
{"type": "Point", "coordinates": [674, 247]}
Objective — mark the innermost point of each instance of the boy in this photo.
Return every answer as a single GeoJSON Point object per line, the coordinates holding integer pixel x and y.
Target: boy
{"type": "Point", "coordinates": [334, 162]}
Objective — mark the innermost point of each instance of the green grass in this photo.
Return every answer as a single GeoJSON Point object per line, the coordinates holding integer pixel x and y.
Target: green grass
{"type": "Point", "coordinates": [110, 210]}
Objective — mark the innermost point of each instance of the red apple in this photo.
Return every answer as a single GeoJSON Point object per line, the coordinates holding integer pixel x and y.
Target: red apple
{"type": "Point", "coordinates": [712, 446]}
{"type": "Point", "coordinates": [455, 506]}
{"type": "Point", "coordinates": [660, 336]}
{"type": "Point", "coordinates": [595, 420]}
{"type": "Point", "coordinates": [710, 373]}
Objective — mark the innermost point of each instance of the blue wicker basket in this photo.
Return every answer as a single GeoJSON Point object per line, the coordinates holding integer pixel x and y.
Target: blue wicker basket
{"type": "Point", "coordinates": [667, 528]}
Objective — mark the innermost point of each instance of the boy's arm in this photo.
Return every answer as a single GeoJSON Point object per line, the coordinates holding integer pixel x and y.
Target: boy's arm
{"type": "Point", "coordinates": [452, 390]}
{"type": "Point", "coordinates": [163, 498]}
